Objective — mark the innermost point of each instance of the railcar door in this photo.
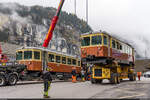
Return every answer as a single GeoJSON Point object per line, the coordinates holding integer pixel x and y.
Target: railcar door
{"type": "Point", "coordinates": [109, 46]}
{"type": "Point", "coordinates": [44, 60]}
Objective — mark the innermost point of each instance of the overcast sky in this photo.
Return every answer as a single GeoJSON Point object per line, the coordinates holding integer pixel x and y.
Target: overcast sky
{"type": "Point", "coordinates": [120, 16]}
{"type": "Point", "coordinates": [127, 18]}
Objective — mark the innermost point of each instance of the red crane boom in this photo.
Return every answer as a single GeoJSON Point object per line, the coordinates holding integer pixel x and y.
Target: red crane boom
{"type": "Point", "coordinates": [52, 26]}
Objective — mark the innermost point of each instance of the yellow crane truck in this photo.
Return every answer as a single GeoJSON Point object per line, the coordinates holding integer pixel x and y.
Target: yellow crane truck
{"type": "Point", "coordinates": [109, 58]}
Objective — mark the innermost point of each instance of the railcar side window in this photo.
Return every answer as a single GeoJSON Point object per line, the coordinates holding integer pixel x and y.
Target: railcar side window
{"type": "Point", "coordinates": [69, 61]}
{"type": "Point", "coordinates": [36, 55]}
{"type": "Point", "coordinates": [78, 63]}
{"type": "Point", "coordinates": [105, 40]}
{"type": "Point", "coordinates": [19, 55]}
{"type": "Point", "coordinates": [96, 40]}
{"type": "Point", "coordinates": [130, 51]}
{"type": "Point", "coordinates": [73, 61]}
{"type": "Point", "coordinates": [85, 41]}
{"type": "Point", "coordinates": [27, 54]}
{"type": "Point", "coordinates": [63, 60]}
{"type": "Point", "coordinates": [58, 59]}
{"type": "Point", "coordinates": [51, 58]}
{"type": "Point", "coordinates": [125, 49]}
{"type": "Point", "coordinates": [118, 46]}
{"type": "Point", "coordinates": [113, 44]}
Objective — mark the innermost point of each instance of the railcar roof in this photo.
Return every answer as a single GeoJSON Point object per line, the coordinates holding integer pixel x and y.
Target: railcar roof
{"type": "Point", "coordinates": [108, 35]}
{"type": "Point", "coordinates": [44, 49]}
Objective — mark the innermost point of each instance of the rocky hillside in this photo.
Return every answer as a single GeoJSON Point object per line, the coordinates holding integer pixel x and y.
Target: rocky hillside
{"type": "Point", "coordinates": [27, 26]}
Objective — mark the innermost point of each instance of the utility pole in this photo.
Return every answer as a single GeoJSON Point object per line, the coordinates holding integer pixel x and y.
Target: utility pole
{"type": "Point", "coordinates": [75, 7]}
{"type": "Point", "coordinates": [87, 11]}
{"type": "Point", "coordinates": [145, 54]}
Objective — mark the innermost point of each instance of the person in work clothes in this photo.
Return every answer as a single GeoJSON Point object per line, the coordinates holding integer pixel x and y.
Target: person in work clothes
{"type": "Point", "coordinates": [47, 78]}
{"type": "Point", "coordinates": [73, 74]}
{"type": "Point", "coordinates": [83, 75]}
{"type": "Point", "coordinates": [139, 75]}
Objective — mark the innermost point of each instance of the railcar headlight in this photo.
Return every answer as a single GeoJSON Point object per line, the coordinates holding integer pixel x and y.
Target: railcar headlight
{"type": "Point", "coordinates": [83, 51]}
{"type": "Point", "coordinates": [99, 48]}
{"type": "Point", "coordinates": [29, 63]}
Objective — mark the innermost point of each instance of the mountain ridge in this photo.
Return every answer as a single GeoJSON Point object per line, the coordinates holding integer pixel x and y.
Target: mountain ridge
{"type": "Point", "coordinates": [28, 26]}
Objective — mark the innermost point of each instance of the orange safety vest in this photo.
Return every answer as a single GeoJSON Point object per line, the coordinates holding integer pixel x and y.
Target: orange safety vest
{"type": "Point", "coordinates": [139, 73]}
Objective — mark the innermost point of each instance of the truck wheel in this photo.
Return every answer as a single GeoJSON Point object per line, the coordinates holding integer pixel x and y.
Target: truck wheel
{"type": "Point", "coordinates": [118, 79]}
{"type": "Point", "coordinates": [131, 77]}
{"type": "Point", "coordinates": [93, 81]}
{"type": "Point", "coordinates": [134, 77]}
{"type": "Point", "coordinates": [113, 79]}
{"type": "Point", "coordinates": [99, 81]}
{"type": "Point", "coordinates": [2, 80]}
{"type": "Point", "coordinates": [12, 80]}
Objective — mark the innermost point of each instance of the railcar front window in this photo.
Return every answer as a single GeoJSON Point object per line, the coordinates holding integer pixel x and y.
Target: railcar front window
{"type": "Point", "coordinates": [85, 41]}
{"type": "Point", "coordinates": [36, 55]}
{"type": "Point", "coordinates": [51, 58]}
{"type": "Point", "coordinates": [96, 40]}
{"type": "Point", "coordinates": [27, 54]}
{"type": "Point", "coordinates": [58, 59]}
{"type": "Point", "coordinates": [19, 55]}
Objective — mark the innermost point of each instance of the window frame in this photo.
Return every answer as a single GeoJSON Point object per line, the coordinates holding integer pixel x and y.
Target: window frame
{"type": "Point", "coordinates": [65, 61]}
{"type": "Point", "coordinates": [89, 41]}
{"type": "Point", "coordinates": [75, 61]}
{"type": "Point", "coordinates": [99, 43]}
{"type": "Point", "coordinates": [54, 57]}
{"type": "Point", "coordinates": [22, 58]}
{"type": "Point", "coordinates": [70, 60]}
{"type": "Point", "coordinates": [112, 43]}
{"type": "Point", "coordinates": [79, 63]}
{"type": "Point", "coordinates": [118, 45]}
{"type": "Point", "coordinates": [106, 39]}
{"type": "Point", "coordinates": [34, 54]}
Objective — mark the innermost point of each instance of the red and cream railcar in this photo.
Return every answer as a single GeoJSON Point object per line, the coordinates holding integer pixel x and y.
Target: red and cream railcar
{"type": "Point", "coordinates": [61, 64]}
{"type": "Point", "coordinates": [101, 47]}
